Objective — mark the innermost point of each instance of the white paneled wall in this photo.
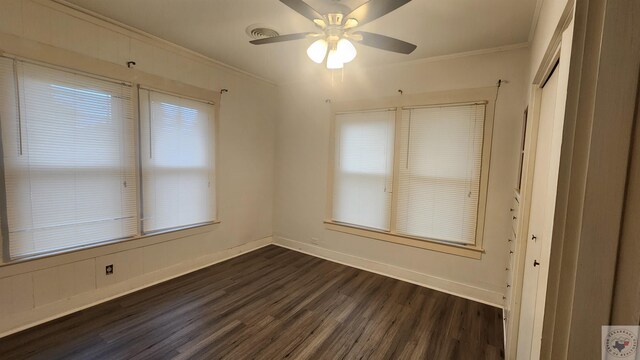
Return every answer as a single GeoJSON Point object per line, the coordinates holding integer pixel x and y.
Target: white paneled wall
{"type": "Point", "coordinates": [33, 291]}
{"type": "Point", "coordinates": [17, 294]}
{"type": "Point", "coordinates": [64, 281]}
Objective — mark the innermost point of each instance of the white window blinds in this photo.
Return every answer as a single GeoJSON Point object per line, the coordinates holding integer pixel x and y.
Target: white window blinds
{"type": "Point", "coordinates": [439, 172]}
{"type": "Point", "coordinates": [69, 158]}
{"type": "Point", "coordinates": [363, 168]}
{"type": "Point", "coordinates": [177, 157]}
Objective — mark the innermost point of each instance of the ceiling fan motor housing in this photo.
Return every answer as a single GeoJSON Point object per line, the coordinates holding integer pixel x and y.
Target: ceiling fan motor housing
{"type": "Point", "coordinates": [335, 19]}
{"type": "Point", "coordinates": [338, 30]}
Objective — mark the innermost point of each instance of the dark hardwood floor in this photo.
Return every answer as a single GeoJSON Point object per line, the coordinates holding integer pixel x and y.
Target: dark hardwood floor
{"type": "Point", "coordinates": [272, 303]}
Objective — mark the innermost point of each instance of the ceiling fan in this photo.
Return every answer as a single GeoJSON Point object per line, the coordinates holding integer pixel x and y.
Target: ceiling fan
{"type": "Point", "coordinates": [335, 41]}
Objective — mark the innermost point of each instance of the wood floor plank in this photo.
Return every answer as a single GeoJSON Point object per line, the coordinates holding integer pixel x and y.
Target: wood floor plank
{"type": "Point", "coordinates": [272, 303]}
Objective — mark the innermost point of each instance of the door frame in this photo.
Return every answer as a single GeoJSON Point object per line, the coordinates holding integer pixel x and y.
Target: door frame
{"type": "Point", "coordinates": [626, 308]}
{"type": "Point", "coordinates": [596, 146]}
{"type": "Point", "coordinates": [546, 67]}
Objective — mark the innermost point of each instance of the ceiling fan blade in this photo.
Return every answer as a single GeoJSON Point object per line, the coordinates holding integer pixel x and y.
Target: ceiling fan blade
{"type": "Point", "coordinates": [374, 9]}
{"type": "Point", "coordinates": [385, 42]}
{"type": "Point", "coordinates": [281, 38]}
{"type": "Point", "coordinates": [303, 9]}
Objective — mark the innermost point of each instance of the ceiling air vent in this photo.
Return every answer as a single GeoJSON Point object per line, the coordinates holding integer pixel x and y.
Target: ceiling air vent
{"type": "Point", "coordinates": [257, 31]}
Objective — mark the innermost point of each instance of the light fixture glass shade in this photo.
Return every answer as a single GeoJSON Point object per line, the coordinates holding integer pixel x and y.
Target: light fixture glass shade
{"type": "Point", "coordinates": [346, 50]}
{"type": "Point", "coordinates": [334, 60]}
{"type": "Point", "coordinates": [318, 50]}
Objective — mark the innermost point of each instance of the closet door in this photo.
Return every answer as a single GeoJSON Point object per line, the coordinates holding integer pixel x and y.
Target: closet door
{"type": "Point", "coordinates": [541, 205]}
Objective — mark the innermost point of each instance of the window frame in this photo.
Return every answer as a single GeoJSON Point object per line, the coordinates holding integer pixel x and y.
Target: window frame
{"type": "Point", "coordinates": [333, 168]}
{"type": "Point", "coordinates": [485, 96]}
{"type": "Point", "coordinates": [140, 171]}
{"type": "Point", "coordinates": [127, 121]}
{"type": "Point", "coordinates": [32, 52]}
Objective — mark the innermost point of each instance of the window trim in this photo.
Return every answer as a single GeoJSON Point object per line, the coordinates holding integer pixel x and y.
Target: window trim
{"type": "Point", "coordinates": [139, 178]}
{"type": "Point", "coordinates": [469, 251]}
{"type": "Point", "coordinates": [96, 249]}
{"type": "Point", "coordinates": [486, 96]}
{"type": "Point", "coordinates": [30, 51]}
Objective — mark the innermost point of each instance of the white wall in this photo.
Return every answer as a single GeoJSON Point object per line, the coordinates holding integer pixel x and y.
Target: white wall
{"type": "Point", "coordinates": [35, 290]}
{"type": "Point", "coordinates": [301, 167]}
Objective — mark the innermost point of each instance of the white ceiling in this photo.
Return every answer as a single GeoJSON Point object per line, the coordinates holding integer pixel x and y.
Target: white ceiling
{"type": "Point", "coordinates": [216, 28]}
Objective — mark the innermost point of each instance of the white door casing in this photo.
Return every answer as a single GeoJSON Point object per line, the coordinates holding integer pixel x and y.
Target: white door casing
{"type": "Point", "coordinates": [543, 201]}
{"type": "Point", "coordinates": [536, 218]}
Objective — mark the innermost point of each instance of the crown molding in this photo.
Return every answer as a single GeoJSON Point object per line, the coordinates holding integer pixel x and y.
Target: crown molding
{"type": "Point", "coordinates": [452, 56]}
{"type": "Point", "coordinates": [133, 32]}
{"type": "Point", "coordinates": [534, 21]}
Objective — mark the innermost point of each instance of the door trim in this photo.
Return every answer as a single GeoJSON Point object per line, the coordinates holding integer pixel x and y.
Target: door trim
{"type": "Point", "coordinates": [601, 102]}
{"type": "Point", "coordinates": [551, 57]}
{"type": "Point", "coordinates": [626, 308]}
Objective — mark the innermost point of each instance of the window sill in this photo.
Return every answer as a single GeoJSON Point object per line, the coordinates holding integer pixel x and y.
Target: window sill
{"type": "Point", "coordinates": [112, 246]}
{"type": "Point", "coordinates": [469, 251]}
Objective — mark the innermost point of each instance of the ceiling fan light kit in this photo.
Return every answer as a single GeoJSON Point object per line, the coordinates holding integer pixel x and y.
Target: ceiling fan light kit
{"type": "Point", "coordinates": [346, 50]}
{"type": "Point", "coordinates": [333, 60]}
{"type": "Point", "coordinates": [335, 42]}
{"type": "Point", "coordinates": [340, 52]}
{"type": "Point", "coordinates": [318, 50]}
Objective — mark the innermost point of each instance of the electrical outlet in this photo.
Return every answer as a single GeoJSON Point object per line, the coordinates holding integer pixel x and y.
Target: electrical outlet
{"type": "Point", "coordinates": [315, 240]}
{"type": "Point", "coordinates": [109, 269]}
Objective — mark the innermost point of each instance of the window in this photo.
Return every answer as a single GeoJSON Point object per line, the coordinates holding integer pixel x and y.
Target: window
{"type": "Point", "coordinates": [81, 170]}
{"type": "Point", "coordinates": [177, 147]}
{"type": "Point", "coordinates": [363, 168]}
{"type": "Point", "coordinates": [69, 159]}
{"type": "Point", "coordinates": [439, 175]}
{"type": "Point", "coordinates": [432, 189]}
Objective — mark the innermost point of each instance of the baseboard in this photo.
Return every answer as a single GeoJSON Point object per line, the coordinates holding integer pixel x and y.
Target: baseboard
{"type": "Point", "coordinates": [444, 285]}
{"type": "Point", "coordinates": [68, 306]}
{"type": "Point", "coordinates": [65, 307]}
